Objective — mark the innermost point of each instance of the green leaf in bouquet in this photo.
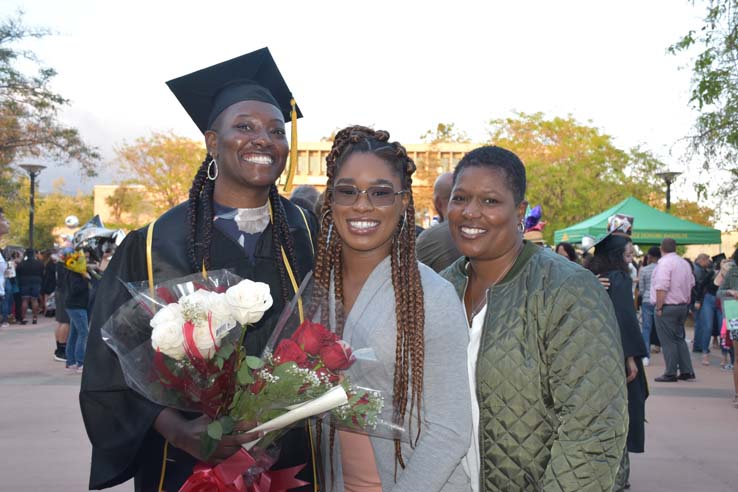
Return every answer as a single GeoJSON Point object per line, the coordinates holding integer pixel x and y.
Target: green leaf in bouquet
{"type": "Point", "coordinates": [225, 351]}
{"type": "Point", "coordinates": [208, 445]}
{"type": "Point", "coordinates": [235, 400]}
{"type": "Point", "coordinates": [228, 424]}
{"type": "Point", "coordinates": [254, 362]}
{"type": "Point", "coordinates": [219, 362]}
{"type": "Point", "coordinates": [215, 430]}
{"type": "Point", "coordinates": [244, 375]}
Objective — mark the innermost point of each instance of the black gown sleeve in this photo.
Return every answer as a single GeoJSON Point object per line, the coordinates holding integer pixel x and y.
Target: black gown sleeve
{"type": "Point", "coordinates": [621, 294]}
{"type": "Point", "coordinates": [116, 418]}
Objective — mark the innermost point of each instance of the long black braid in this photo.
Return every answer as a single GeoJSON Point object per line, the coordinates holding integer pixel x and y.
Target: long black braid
{"type": "Point", "coordinates": [201, 195]}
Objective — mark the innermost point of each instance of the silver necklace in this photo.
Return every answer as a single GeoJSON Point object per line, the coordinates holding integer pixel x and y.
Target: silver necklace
{"type": "Point", "coordinates": [483, 301]}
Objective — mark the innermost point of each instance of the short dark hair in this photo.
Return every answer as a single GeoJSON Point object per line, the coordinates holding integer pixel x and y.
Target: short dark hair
{"type": "Point", "coordinates": [608, 260]}
{"type": "Point", "coordinates": [497, 158]}
{"type": "Point", "coordinates": [668, 245]}
{"type": "Point", "coordinates": [654, 252]}
{"type": "Point", "coordinates": [571, 253]}
{"type": "Point", "coordinates": [305, 196]}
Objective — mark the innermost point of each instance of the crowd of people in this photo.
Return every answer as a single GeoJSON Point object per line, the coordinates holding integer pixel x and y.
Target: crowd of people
{"type": "Point", "coordinates": [47, 283]}
{"type": "Point", "coordinates": [699, 287]}
{"type": "Point", "coordinates": [516, 366]}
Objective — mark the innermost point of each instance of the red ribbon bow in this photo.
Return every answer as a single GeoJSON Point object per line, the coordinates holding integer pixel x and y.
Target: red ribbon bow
{"type": "Point", "coordinates": [228, 477]}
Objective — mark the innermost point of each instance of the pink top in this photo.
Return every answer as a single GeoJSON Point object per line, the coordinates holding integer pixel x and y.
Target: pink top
{"type": "Point", "coordinates": [358, 464]}
{"type": "Point", "coordinates": [674, 275]}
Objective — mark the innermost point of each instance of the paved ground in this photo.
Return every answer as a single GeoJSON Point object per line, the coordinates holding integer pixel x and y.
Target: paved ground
{"type": "Point", "coordinates": [691, 437]}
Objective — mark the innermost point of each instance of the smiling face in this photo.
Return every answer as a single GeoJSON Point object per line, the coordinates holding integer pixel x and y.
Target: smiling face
{"type": "Point", "coordinates": [629, 253]}
{"type": "Point", "coordinates": [482, 213]}
{"type": "Point", "coordinates": [363, 226]}
{"type": "Point", "coordinates": [249, 144]}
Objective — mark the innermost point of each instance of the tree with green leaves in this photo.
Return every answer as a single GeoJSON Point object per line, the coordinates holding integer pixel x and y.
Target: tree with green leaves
{"type": "Point", "coordinates": [715, 92]}
{"type": "Point", "coordinates": [29, 110]}
{"type": "Point", "coordinates": [165, 164]}
{"type": "Point", "coordinates": [574, 170]}
{"type": "Point", "coordinates": [127, 204]}
{"type": "Point", "coordinates": [51, 210]}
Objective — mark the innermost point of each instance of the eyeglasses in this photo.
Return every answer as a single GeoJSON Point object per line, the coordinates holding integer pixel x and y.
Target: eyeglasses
{"type": "Point", "coordinates": [379, 196]}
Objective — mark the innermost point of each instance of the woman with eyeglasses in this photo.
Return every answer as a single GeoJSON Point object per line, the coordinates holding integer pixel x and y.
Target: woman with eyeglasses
{"type": "Point", "coordinates": [371, 290]}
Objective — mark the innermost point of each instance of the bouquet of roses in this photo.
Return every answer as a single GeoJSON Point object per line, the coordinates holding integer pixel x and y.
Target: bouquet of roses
{"type": "Point", "coordinates": [180, 345]}
{"type": "Point", "coordinates": [298, 378]}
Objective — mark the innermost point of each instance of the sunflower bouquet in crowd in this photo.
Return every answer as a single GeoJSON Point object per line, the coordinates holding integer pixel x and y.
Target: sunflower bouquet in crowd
{"type": "Point", "coordinates": [75, 261]}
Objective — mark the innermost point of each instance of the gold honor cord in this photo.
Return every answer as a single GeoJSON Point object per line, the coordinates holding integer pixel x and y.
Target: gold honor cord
{"type": "Point", "coordinates": [291, 274]}
{"type": "Point", "coordinates": [293, 148]}
{"type": "Point", "coordinates": [150, 271]}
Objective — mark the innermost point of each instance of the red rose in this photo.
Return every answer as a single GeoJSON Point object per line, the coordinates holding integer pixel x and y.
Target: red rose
{"type": "Point", "coordinates": [312, 337]}
{"type": "Point", "coordinates": [257, 386]}
{"type": "Point", "coordinates": [289, 351]}
{"type": "Point", "coordinates": [323, 372]}
{"type": "Point", "coordinates": [337, 356]}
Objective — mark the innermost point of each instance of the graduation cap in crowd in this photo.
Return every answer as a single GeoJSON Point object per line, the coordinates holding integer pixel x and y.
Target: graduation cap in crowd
{"type": "Point", "coordinates": [718, 258]}
{"type": "Point", "coordinates": [619, 230]}
{"type": "Point", "coordinates": [206, 93]}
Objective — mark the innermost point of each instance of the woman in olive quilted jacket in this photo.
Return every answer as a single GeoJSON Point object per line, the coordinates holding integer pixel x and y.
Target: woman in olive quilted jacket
{"type": "Point", "coordinates": [545, 357]}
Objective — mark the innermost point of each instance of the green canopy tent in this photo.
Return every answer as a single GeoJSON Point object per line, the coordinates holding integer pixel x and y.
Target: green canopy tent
{"type": "Point", "coordinates": [650, 226]}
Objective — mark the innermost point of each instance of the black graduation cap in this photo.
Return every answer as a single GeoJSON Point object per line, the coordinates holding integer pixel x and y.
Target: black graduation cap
{"type": "Point", "coordinates": [718, 258]}
{"type": "Point", "coordinates": [619, 230]}
{"type": "Point", "coordinates": [251, 77]}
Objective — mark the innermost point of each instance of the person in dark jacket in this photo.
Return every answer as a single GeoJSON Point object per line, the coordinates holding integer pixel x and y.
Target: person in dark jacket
{"type": "Point", "coordinates": [61, 333]}
{"type": "Point", "coordinates": [48, 282]}
{"type": "Point", "coordinates": [78, 296]}
{"type": "Point", "coordinates": [609, 261]}
{"type": "Point", "coordinates": [30, 275]}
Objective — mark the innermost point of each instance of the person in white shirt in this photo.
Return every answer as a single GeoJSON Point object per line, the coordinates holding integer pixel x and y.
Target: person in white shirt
{"type": "Point", "coordinates": [4, 229]}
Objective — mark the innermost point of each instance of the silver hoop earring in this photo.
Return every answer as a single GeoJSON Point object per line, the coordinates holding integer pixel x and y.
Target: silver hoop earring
{"type": "Point", "coordinates": [521, 227]}
{"type": "Point", "coordinates": [213, 170]}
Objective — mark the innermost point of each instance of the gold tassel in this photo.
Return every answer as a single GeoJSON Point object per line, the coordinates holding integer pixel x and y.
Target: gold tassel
{"type": "Point", "coordinates": [293, 149]}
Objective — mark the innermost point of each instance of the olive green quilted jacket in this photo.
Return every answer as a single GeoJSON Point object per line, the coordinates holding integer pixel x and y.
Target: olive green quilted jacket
{"type": "Point", "coordinates": [550, 378]}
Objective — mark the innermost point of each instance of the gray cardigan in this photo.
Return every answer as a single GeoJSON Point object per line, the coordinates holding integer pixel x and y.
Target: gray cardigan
{"type": "Point", "coordinates": [435, 463]}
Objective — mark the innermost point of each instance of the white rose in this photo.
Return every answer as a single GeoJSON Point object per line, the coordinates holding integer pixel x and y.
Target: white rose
{"type": "Point", "coordinates": [222, 317]}
{"type": "Point", "coordinates": [249, 301]}
{"type": "Point", "coordinates": [204, 339]}
{"type": "Point", "coordinates": [166, 335]}
{"type": "Point", "coordinates": [197, 300]}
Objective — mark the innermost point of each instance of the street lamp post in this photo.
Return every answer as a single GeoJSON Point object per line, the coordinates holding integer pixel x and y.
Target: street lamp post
{"type": "Point", "coordinates": [668, 177]}
{"type": "Point", "coordinates": [33, 170]}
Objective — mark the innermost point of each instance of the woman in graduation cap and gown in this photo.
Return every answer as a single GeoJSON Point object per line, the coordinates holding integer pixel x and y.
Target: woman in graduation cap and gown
{"type": "Point", "coordinates": [234, 219]}
{"type": "Point", "coordinates": [610, 261]}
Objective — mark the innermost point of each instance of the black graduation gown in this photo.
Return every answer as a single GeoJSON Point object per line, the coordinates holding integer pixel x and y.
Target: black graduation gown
{"type": "Point", "coordinates": [621, 294]}
{"type": "Point", "coordinates": [119, 420]}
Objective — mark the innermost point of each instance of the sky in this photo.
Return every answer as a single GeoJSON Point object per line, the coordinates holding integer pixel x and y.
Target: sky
{"type": "Point", "coordinates": [399, 66]}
